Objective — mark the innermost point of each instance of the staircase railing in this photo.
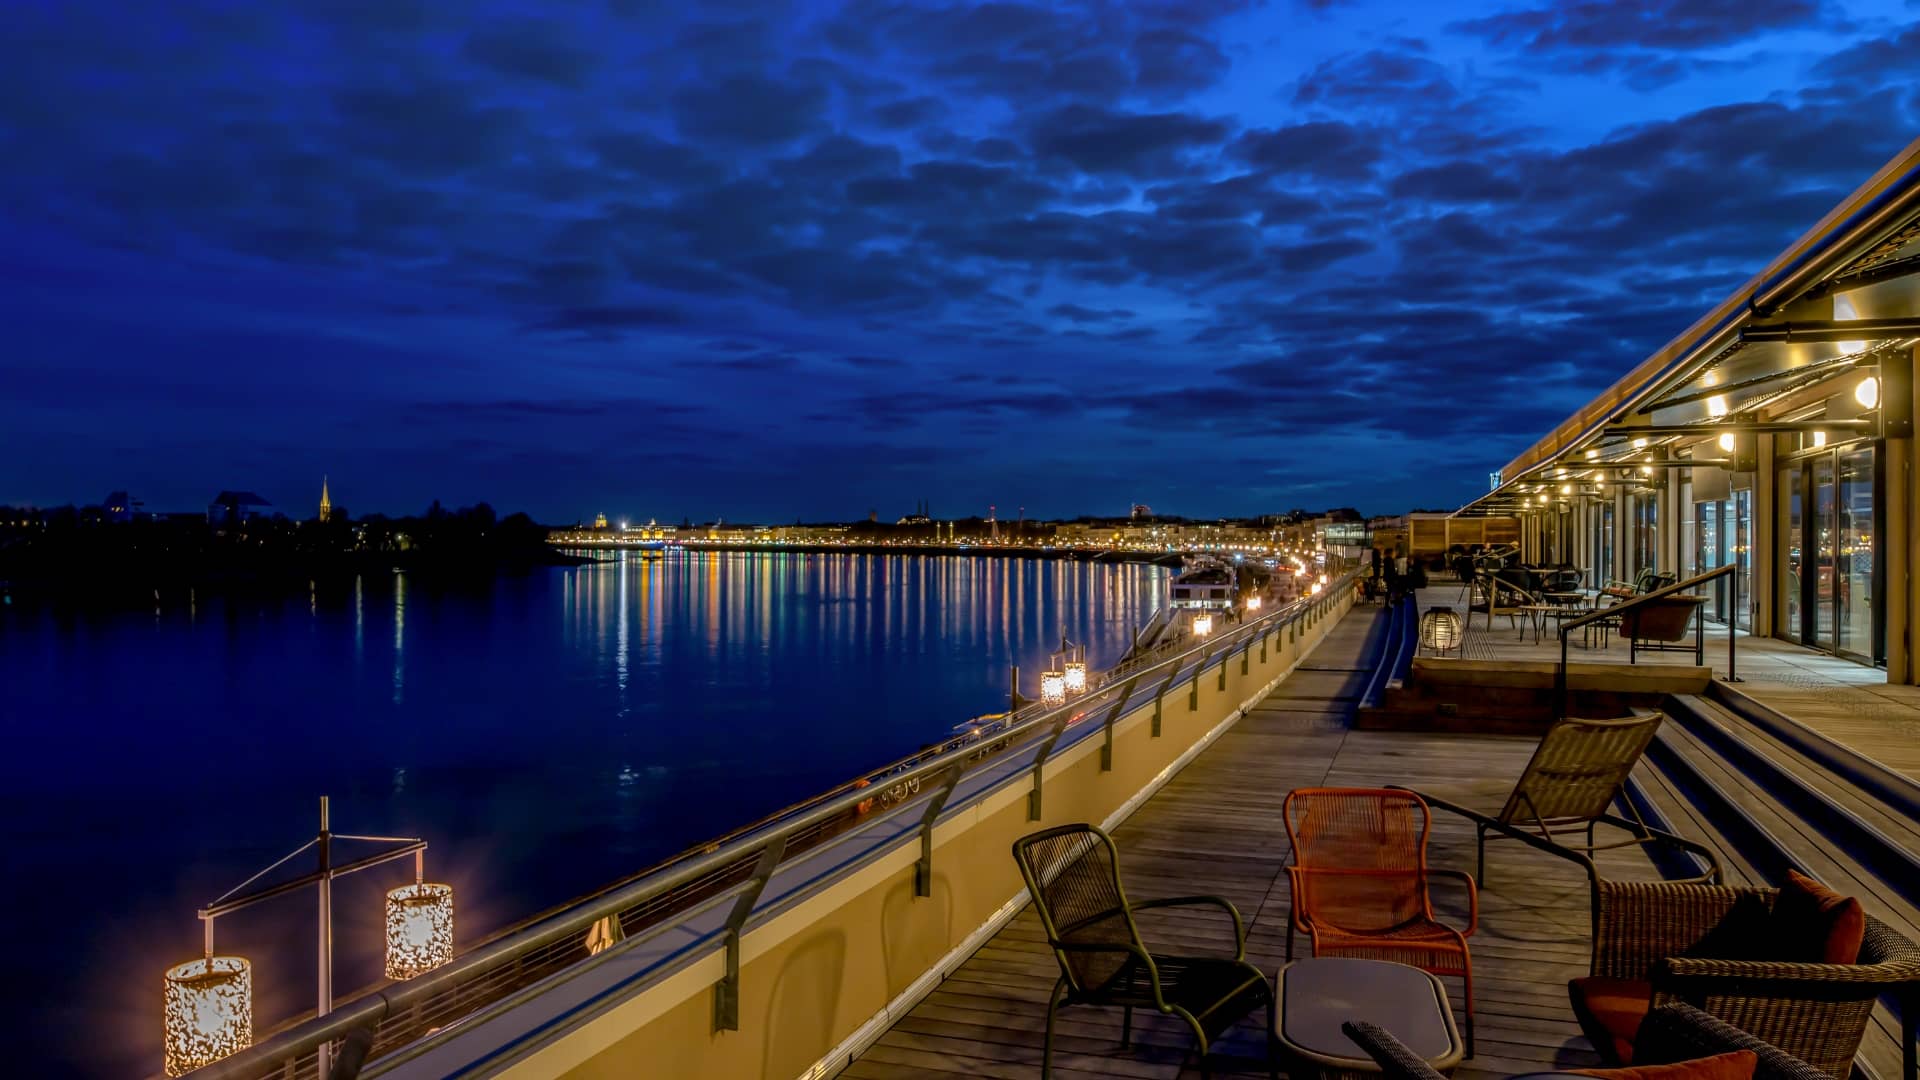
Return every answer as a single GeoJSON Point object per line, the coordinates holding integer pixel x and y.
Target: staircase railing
{"type": "Point", "coordinates": [1568, 626]}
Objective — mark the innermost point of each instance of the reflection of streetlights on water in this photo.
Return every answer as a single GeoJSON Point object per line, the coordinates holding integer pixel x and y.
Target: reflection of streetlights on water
{"type": "Point", "coordinates": [209, 1001]}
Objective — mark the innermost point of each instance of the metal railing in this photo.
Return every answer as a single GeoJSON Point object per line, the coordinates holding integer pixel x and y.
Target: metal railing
{"type": "Point", "coordinates": [509, 967]}
{"type": "Point", "coordinates": [1568, 626]}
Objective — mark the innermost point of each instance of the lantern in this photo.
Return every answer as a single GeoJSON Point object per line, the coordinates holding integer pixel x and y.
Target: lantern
{"type": "Point", "coordinates": [209, 1011]}
{"type": "Point", "coordinates": [1076, 677]}
{"type": "Point", "coordinates": [419, 929]}
{"type": "Point", "coordinates": [1440, 630]}
{"type": "Point", "coordinates": [1202, 624]}
{"type": "Point", "coordinates": [1053, 688]}
{"type": "Point", "coordinates": [1253, 602]}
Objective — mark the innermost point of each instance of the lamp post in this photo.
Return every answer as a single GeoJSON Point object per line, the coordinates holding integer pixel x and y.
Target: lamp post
{"type": "Point", "coordinates": [209, 1002]}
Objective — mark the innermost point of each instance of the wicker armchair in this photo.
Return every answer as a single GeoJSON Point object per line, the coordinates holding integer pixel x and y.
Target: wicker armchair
{"type": "Point", "coordinates": [1680, 1032]}
{"type": "Point", "coordinates": [1396, 1060]}
{"type": "Point", "coordinates": [1073, 874]}
{"type": "Point", "coordinates": [1671, 1033]}
{"type": "Point", "coordinates": [1816, 1012]}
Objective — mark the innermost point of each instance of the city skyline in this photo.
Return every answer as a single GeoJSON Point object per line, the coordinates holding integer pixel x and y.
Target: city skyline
{"type": "Point", "coordinates": [1184, 254]}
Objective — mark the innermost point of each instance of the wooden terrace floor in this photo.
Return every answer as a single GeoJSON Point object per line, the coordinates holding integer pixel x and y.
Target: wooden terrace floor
{"type": "Point", "coordinates": [1216, 828]}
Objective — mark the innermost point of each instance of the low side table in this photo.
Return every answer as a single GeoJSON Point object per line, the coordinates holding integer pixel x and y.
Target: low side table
{"type": "Point", "coordinates": [1317, 995]}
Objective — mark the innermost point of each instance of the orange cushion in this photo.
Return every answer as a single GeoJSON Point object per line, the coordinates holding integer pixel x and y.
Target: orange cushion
{"type": "Point", "coordinates": [1813, 924]}
{"type": "Point", "coordinates": [1610, 1011]}
{"type": "Point", "coordinates": [1733, 1065]}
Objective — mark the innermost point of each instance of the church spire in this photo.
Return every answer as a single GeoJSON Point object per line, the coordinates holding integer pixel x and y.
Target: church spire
{"type": "Point", "coordinates": [326, 504]}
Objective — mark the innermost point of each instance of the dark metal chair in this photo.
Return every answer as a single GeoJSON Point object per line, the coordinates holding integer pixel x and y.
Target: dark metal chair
{"type": "Point", "coordinates": [1073, 874]}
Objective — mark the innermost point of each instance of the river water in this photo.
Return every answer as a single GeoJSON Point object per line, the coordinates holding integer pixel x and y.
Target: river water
{"type": "Point", "coordinates": [545, 734]}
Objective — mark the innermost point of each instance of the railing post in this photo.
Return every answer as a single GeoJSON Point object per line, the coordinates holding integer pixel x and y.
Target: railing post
{"type": "Point", "coordinates": [1223, 670]}
{"type": "Point", "coordinates": [726, 993]}
{"type": "Point", "coordinates": [1264, 635]}
{"type": "Point", "coordinates": [1560, 678]}
{"type": "Point", "coordinates": [1160, 697]}
{"type": "Point", "coordinates": [1040, 763]}
{"type": "Point", "coordinates": [1246, 654]}
{"type": "Point", "coordinates": [1106, 748]}
{"type": "Point", "coordinates": [1732, 633]}
{"type": "Point", "coordinates": [923, 870]}
{"type": "Point", "coordinates": [1193, 692]}
{"type": "Point", "coordinates": [353, 1054]}
{"type": "Point", "coordinates": [1700, 637]}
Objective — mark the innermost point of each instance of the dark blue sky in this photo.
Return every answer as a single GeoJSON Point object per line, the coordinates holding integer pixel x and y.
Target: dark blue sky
{"type": "Point", "coordinates": [775, 261]}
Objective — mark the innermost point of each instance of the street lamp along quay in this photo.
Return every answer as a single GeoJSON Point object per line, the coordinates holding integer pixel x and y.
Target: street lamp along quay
{"type": "Point", "coordinates": [209, 1001]}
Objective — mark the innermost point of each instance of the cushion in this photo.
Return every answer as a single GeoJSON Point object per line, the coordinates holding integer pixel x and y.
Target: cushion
{"type": "Point", "coordinates": [1743, 933]}
{"type": "Point", "coordinates": [1610, 1011]}
{"type": "Point", "coordinates": [1733, 1065]}
{"type": "Point", "coordinates": [1812, 924]}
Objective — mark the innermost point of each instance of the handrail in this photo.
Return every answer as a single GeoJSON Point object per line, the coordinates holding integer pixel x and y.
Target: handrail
{"type": "Point", "coordinates": [1567, 626]}
{"type": "Point", "coordinates": [289, 1046]}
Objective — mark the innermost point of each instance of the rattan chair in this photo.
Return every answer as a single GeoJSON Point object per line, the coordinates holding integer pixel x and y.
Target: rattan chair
{"type": "Point", "coordinates": [1643, 932]}
{"type": "Point", "coordinates": [1670, 1034]}
{"type": "Point", "coordinates": [1492, 595]}
{"type": "Point", "coordinates": [1679, 1032]}
{"type": "Point", "coordinates": [1570, 784]}
{"type": "Point", "coordinates": [1073, 874]}
{"type": "Point", "coordinates": [1359, 883]}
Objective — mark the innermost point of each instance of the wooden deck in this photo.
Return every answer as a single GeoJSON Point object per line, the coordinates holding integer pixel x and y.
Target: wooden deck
{"type": "Point", "coordinates": [1216, 828]}
{"type": "Point", "coordinates": [1844, 700]}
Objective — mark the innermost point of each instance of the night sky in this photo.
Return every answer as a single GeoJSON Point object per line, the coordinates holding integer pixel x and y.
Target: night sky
{"type": "Point", "coordinates": [773, 261]}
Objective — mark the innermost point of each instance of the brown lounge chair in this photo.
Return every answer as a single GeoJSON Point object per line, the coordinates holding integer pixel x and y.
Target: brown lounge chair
{"type": "Point", "coordinates": [1569, 785]}
{"type": "Point", "coordinates": [1671, 1034]}
{"type": "Point", "coordinates": [1657, 624]}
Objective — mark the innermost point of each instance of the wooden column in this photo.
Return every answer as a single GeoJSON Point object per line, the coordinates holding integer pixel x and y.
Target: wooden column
{"type": "Point", "coordinates": [1902, 590]}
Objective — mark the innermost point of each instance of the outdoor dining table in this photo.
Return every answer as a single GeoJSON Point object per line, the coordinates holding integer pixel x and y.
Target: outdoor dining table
{"type": "Point", "coordinates": [1315, 996]}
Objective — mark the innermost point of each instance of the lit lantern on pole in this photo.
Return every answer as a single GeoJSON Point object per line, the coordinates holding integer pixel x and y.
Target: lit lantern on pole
{"type": "Point", "coordinates": [1253, 602]}
{"type": "Point", "coordinates": [1202, 624]}
{"type": "Point", "coordinates": [209, 1011]}
{"type": "Point", "coordinates": [1440, 630]}
{"type": "Point", "coordinates": [419, 929]}
{"type": "Point", "coordinates": [1053, 688]}
{"type": "Point", "coordinates": [1075, 677]}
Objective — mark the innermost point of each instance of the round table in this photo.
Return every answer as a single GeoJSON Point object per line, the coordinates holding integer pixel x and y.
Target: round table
{"type": "Point", "coordinates": [1316, 996]}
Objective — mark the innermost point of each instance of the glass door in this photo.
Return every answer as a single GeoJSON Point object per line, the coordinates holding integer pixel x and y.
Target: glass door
{"type": "Point", "coordinates": [1789, 586]}
{"type": "Point", "coordinates": [1853, 571]}
{"type": "Point", "coordinates": [1823, 531]}
{"type": "Point", "coordinates": [1741, 583]}
{"type": "Point", "coordinates": [1829, 562]}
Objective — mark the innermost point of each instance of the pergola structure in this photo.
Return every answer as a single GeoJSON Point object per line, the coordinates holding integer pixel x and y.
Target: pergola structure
{"type": "Point", "coordinates": [1775, 434]}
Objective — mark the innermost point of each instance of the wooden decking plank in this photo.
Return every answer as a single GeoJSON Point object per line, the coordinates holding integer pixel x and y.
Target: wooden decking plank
{"type": "Point", "coordinates": [1216, 828]}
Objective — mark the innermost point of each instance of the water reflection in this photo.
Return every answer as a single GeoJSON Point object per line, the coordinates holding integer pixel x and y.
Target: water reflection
{"type": "Point", "coordinates": [546, 733]}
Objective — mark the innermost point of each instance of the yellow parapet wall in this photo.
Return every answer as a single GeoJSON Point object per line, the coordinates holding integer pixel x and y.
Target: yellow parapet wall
{"type": "Point", "coordinates": [822, 977]}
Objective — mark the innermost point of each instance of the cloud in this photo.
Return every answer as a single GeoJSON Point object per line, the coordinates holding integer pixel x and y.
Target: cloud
{"type": "Point", "coordinates": [1666, 24]}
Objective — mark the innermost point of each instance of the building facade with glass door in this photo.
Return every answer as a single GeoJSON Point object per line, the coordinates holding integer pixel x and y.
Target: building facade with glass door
{"type": "Point", "coordinates": [1764, 459]}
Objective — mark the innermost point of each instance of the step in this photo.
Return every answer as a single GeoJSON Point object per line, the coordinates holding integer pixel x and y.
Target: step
{"type": "Point", "coordinates": [1764, 809]}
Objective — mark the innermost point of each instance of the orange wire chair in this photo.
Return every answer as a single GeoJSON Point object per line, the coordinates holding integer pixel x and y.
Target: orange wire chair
{"type": "Point", "coordinates": [1359, 881]}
